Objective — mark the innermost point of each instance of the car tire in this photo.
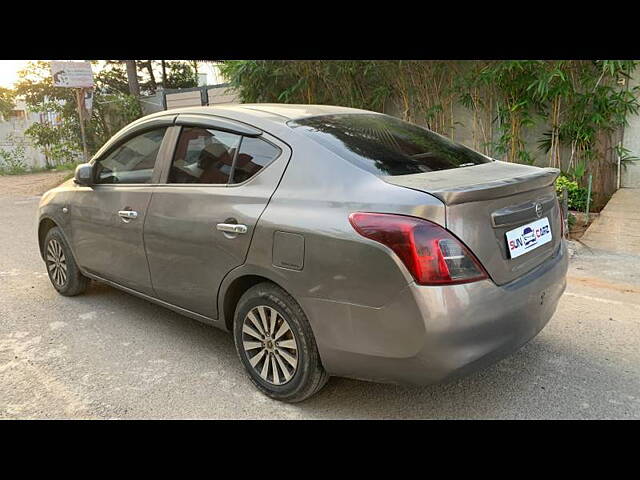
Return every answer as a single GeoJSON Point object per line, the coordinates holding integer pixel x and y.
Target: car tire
{"type": "Point", "coordinates": [63, 272]}
{"type": "Point", "coordinates": [284, 340]}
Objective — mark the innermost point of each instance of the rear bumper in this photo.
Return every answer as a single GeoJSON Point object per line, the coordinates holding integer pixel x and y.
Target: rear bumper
{"type": "Point", "coordinates": [431, 334]}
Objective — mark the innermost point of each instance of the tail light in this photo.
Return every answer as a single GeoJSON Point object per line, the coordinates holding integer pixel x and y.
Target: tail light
{"type": "Point", "coordinates": [432, 254]}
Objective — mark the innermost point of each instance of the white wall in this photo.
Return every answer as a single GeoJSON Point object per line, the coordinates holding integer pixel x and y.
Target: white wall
{"type": "Point", "coordinates": [12, 133]}
{"type": "Point", "coordinates": [630, 176]}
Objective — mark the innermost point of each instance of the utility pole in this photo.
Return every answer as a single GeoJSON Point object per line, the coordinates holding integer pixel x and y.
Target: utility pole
{"type": "Point", "coordinates": [164, 74]}
{"type": "Point", "coordinates": [80, 104]}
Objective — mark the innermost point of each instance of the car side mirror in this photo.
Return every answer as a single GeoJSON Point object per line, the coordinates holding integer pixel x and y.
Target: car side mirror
{"type": "Point", "coordinates": [84, 174]}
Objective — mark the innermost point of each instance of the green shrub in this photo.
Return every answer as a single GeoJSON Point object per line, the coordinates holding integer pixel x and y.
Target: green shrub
{"type": "Point", "coordinates": [577, 195]}
{"type": "Point", "coordinates": [12, 161]}
{"type": "Point", "coordinates": [66, 166]}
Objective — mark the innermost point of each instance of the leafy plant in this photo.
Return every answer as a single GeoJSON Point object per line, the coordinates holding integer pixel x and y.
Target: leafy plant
{"type": "Point", "coordinates": [181, 75]}
{"type": "Point", "coordinates": [516, 104]}
{"type": "Point", "coordinates": [6, 101]}
{"type": "Point", "coordinates": [60, 139]}
{"type": "Point", "coordinates": [63, 167]}
{"type": "Point", "coordinates": [360, 84]}
{"type": "Point", "coordinates": [12, 161]}
{"type": "Point", "coordinates": [576, 195]}
{"type": "Point", "coordinates": [625, 156]}
{"type": "Point", "coordinates": [576, 173]}
{"type": "Point", "coordinates": [55, 141]}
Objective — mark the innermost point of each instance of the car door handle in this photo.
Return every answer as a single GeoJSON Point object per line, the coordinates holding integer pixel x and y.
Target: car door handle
{"type": "Point", "coordinates": [232, 227]}
{"type": "Point", "coordinates": [128, 214]}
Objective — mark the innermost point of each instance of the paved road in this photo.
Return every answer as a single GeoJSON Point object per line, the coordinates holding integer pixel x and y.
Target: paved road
{"type": "Point", "coordinates": [617, 228]}
{"type": "Point", "coordinates": [107, 354]}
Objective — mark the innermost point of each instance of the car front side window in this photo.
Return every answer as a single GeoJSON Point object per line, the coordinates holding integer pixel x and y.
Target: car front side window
{"type": "Point", "coordinates": [133, 161]}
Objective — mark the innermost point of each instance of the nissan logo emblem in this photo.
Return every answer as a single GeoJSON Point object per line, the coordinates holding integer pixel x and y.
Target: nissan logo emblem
{"type": "Point", "coordinates": [538, 208]}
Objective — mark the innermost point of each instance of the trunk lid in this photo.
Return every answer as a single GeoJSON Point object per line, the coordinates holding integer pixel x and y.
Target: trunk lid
{"type": "Point", "coordinates": [486, 201]}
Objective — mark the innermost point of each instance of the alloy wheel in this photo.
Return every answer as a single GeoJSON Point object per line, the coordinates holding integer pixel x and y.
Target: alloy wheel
{"type": "Point", "coordinates": [270, 345]}
{"type": "Point", "coordinates": [56, 263]}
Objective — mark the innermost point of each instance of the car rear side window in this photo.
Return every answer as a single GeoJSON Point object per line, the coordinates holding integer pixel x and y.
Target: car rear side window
{"type": "Point", "coordinates": [386, 146]}
{"type": "Point", "coordinates": [133, 161]}
{"type": "Point", "coordinates": [254, 155]}
{"type": "Point", "coordinates": [203, 156]}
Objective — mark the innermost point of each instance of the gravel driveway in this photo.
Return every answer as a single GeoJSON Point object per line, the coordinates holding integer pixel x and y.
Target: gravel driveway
{"type": "Point", "coordinates": [107, 354]}
{"type": "Point", "coordinates": [30, 184]}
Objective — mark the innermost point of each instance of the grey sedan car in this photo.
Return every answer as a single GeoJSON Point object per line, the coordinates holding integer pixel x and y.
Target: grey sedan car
{"type": "Point", "coordinates": [329, 240]}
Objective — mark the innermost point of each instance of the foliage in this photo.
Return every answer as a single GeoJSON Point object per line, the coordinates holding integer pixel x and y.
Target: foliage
{"type": "Point", "coordinates": [6, 101]}
{"type": "Point", "coordinates": [64, 167]}
{"type": "Point", "coordinates": [58, 133]}
{"type": "Point", "coordinates": [180, 75]}
{"type": "Point", "coordinates": [576, 195]}
{"type": "Point", "coordinates": [111, 112]}
{"type": "Point", "coordinates": [12, 161]}
{"type": "Point", "coordinates": [359, 84]}
{"type": "Point", "coordinates": [574, 107]}
{"type": "Point", "coordinates": [424, 91]}
{"type": "Point", "coordinates": [515, 104]}
{"type": "Point", "coordinates": [55, 141]}
{"type": "Point", "coordinates": [112, 79]}
{"type": "Point", "coordinates": [60, 140]}
{"type": "Point", "coordinates": [577, 100]}
{"type": "Point", "coordinates": [625, 156]}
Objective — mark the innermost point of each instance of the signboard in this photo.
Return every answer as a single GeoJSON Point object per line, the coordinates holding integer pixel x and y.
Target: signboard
{"type": "Point", "coordinates": [72, 74]}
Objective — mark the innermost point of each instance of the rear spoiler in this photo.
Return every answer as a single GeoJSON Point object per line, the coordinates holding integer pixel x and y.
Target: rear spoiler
{"type": "Point", "coordinates": [480, 182]}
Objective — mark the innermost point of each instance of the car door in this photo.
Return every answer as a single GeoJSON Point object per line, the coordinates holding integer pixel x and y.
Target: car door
{"type": "Point", "coordinates": [107, 218]}
{"type": "Point", "coordinates": [200, 222]}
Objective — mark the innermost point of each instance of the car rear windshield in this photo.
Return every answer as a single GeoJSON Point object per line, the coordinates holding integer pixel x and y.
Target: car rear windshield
{"type": "Point", "coordinates": [386, 146]}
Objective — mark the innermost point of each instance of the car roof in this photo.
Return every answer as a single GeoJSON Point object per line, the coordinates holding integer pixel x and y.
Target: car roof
{"type": "Point", "coordinates": [270, 117]}
{"type": "Point", "coordinates": [278, 113]}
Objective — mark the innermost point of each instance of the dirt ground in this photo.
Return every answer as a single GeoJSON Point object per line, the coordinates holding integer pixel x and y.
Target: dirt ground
{"type": "Point", "coordinates": [30, 183]}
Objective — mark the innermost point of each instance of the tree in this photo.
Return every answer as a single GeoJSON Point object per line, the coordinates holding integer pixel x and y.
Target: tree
{"type": "Point", "coordinates": [132, 77]}
{"type": "Point", "coordinates": [113, 108]}
{"type": "Point", "coordinates": [153, 86]}
{"type": "Point", "coordinates": [113, 104]}
{"type": "Point", "coordinates": [6, 101]}
{"type": "Point", "coordinates": [180, 75]}
{"type": "Point", "coordinates": [163, 64]}
{"type": "Point", "coordinates": [173, 74]}
{"type": "Point", "coordinates": [112, 79]}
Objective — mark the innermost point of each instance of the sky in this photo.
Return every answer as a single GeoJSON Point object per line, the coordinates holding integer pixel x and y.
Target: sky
{"type": "Point", "coordinates": [9, 70]}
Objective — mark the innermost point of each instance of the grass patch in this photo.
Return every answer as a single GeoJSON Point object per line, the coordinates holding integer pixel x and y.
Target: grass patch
{"type": "Point", "coordinates": [66, 167]}
{"type": "Point", "coordinates": [21, 170]}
